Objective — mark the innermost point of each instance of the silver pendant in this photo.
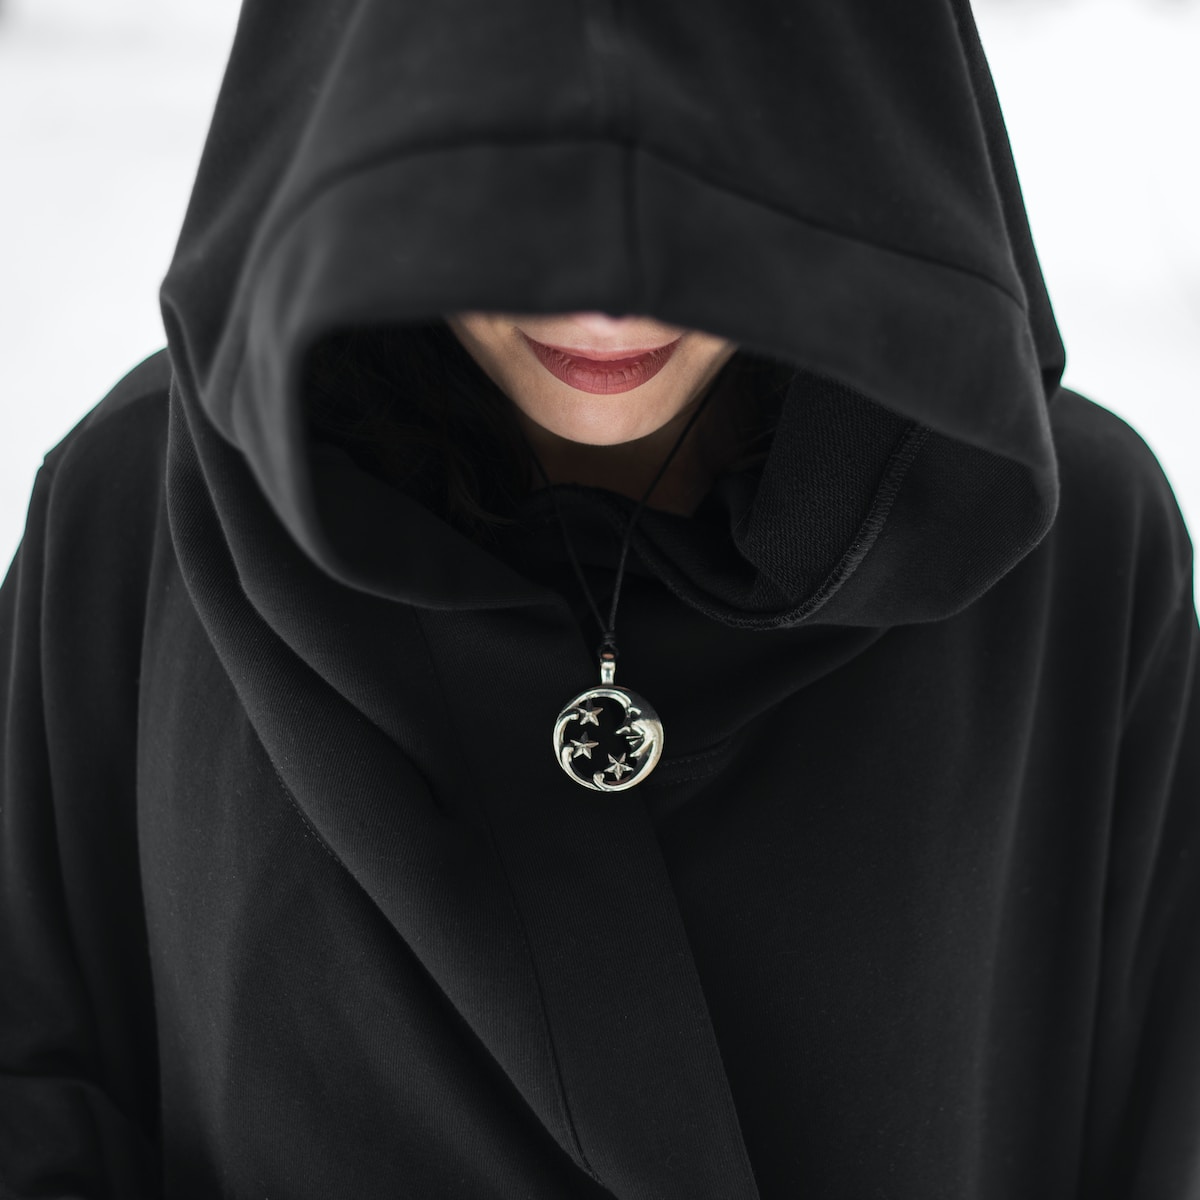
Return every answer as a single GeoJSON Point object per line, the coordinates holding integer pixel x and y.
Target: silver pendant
{"type": "Point", "coordinates": [608, 738]}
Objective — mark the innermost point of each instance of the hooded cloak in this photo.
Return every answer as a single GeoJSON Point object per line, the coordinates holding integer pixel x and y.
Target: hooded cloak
{"type": "Point", "coordinates": [297, 901]}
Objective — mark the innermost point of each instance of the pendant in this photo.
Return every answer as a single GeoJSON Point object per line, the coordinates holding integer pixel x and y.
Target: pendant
{"type": "Point", "coordinates": [608, 738]}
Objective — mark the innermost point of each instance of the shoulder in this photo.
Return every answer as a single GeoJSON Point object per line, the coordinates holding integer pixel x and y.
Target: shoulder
{"type": "Point", "coordinates": [1119, 542]}
{"type": "Point", "coordinates": [107, 472]}
{"type": "Point", "coordinates": [1092, 440]}
{"type": "Point", "coordinates": [1113, 483]}
{"type": "Point", "coordinates": [98, 507]}
{"type": "Point", "coordinates": [128, 421]}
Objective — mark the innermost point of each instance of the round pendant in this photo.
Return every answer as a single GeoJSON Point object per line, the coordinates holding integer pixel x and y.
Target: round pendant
{"type": "Point", "coordinates": [608, 738]}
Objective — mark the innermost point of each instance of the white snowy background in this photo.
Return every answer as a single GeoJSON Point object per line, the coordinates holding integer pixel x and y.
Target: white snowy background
{"type": "Point", "coordinates": [104, 105]}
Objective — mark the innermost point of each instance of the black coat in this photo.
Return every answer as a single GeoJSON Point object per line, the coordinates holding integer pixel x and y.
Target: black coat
{"type": "Point", "coordinates": [296, 900]}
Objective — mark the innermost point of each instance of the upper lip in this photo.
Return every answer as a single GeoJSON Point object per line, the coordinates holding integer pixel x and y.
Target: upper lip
{"type": "Point", "coordinates": [606, 355]}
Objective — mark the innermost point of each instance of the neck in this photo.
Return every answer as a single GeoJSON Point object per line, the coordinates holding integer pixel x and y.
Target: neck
{"type": "Point", "coordinates": [628, 468]}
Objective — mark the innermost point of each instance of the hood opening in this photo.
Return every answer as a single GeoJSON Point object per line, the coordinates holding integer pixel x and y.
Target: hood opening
{"type": "Point", "coordinates": [412, 406]}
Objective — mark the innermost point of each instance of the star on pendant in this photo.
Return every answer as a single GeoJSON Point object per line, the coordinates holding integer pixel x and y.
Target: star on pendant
{"type": "Point", "coordinates": [618, 767]}
{"type": "Point", "coordinates": [589, 714]}
{"type": "Point", "coordinates": [584, 748]}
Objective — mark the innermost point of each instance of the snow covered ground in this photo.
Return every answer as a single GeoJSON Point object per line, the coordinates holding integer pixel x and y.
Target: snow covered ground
{"type": "Point", "coordinates": [104, 106]}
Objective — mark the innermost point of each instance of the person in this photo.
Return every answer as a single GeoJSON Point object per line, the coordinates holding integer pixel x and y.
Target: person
{"type": "Point", "coordinates": [601, 659]}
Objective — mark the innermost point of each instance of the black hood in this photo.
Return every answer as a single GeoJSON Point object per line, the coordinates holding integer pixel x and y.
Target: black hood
{"type": "Point", "coordinates": [829, 185]}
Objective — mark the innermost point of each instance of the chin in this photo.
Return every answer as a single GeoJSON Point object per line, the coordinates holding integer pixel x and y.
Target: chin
{"type": "Point", "coordinates": [594, 434]}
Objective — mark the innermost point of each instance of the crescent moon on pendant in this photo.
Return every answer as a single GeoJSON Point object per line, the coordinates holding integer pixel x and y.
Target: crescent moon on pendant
{"type": "Point", "coordinates": [608, 739]}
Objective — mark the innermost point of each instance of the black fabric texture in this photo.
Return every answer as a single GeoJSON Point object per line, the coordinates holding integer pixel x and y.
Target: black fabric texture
{"type": "Point", "coordinates": [296, 900]}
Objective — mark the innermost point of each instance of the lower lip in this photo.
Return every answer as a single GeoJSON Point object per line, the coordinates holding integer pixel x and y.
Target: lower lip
{"type": "Point", "coordinates": [598, 377]}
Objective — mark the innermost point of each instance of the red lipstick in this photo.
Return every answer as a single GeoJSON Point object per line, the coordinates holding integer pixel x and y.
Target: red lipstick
{"type": "Point", "coordinates": [602, 371]}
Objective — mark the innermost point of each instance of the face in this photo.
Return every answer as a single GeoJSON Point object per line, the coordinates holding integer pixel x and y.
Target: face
{"type": "Point", "coordinates": [590, 377]}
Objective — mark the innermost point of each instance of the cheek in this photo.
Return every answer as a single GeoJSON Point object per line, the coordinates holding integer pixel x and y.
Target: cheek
{"type": "Point", "coordinates": [490, 340]}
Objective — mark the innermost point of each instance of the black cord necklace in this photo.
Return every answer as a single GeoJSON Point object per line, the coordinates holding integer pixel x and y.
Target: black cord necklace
{"type": "Point", "coordinates": [628, 732]}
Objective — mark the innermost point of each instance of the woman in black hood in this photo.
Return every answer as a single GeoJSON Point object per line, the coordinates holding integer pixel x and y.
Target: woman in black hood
{"type": "Point", "coordinates": [297, 900]}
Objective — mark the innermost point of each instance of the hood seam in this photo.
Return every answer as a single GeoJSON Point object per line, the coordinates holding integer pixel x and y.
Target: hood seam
{"type": "Point", "coordinates": [908, 446]}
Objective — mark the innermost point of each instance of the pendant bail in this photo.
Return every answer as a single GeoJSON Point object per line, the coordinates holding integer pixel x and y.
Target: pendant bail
{"type": "Point", "coordinates": [608, 660]}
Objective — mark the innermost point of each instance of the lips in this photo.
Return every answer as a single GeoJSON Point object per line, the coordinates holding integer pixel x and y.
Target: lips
{"type": "Point", "coordinates": [610, 372]}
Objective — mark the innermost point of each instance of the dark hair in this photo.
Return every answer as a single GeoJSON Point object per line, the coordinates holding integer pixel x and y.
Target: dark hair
{"type": "Point", "coordinates": [410, 405]}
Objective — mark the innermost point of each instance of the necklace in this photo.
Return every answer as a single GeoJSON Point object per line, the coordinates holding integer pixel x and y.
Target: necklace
{"type": "Point", "coordinates": [627, 732]}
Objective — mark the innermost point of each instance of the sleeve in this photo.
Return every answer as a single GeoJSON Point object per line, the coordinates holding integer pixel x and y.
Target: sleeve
{"type": "Point", "coordinates": [1142, 1136]}
{"type": "Point", "coordinates": [71, 1078]}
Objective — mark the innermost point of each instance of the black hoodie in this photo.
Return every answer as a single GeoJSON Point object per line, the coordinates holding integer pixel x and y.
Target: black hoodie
{"type": "Point", "coordinates": [297, 902]}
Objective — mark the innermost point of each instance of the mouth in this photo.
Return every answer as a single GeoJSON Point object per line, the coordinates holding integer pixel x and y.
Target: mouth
{"type": "Point", "coordinates": [602, 372]}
